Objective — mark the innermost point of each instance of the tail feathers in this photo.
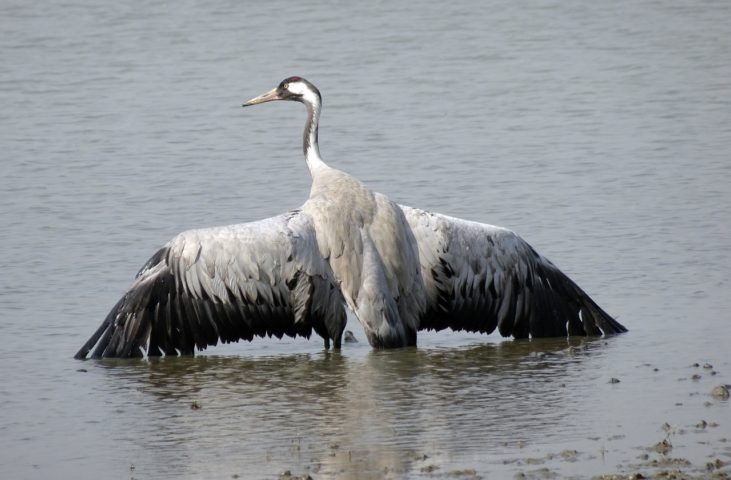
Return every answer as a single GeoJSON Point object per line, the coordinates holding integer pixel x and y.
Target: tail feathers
{"type": "Point", "coordinates": [375, 305]}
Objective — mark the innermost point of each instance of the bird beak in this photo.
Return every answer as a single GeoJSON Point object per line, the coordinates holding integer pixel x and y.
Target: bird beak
{"type": "Point", "coordinates": [270, 96]}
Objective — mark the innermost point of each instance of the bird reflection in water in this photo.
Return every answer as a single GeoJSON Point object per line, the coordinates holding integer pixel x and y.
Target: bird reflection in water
{"type": "Point", "coordinates": [353, 414]}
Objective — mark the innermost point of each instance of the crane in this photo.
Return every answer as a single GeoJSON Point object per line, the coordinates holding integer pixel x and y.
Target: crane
{"type": "Point", "coordinates": [399, 269]}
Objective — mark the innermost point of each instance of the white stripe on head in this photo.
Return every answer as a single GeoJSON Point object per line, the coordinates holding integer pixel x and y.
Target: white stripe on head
{"type": "Point", "coordinates": [301, 88]}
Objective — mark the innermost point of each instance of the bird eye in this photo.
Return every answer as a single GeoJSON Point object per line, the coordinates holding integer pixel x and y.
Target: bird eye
{"type": "Point", "coordinates": [285, 86]}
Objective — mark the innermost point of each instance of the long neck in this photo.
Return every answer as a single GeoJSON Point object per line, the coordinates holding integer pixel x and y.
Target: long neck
{"type": "Point", "coordinates": [312, 151]}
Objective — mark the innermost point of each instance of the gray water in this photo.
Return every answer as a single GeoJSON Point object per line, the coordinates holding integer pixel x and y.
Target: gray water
{"type": "Point", "coordinates": [600, 133]}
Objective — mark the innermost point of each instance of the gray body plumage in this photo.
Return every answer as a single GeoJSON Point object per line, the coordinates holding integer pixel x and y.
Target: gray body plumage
{"type": "Point", "coordinates": [398, 268]}
{"type": "Point", "coordinates": [367, 241]}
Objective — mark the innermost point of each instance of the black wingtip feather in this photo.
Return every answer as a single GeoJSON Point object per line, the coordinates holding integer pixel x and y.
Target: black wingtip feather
{"type": "Point", "coordinates": [546, 304]}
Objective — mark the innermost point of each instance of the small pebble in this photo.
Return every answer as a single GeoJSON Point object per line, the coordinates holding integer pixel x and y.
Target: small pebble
{"type": "Point", "coordinates": [721, 392]}
{"type": "Point", "coordinates": [195, 405]}
{"type": "Point", "coordinates": [707, 365]}
{"type": "Point", "coordinates": [715, 465]}
{"type": "Point", "coordinates": [696, 377]}
{"type": "Point", "coordinates": [569, 454]}
{"type": "Point", "coordinates": [613, 380]}
{"type": "Point", "coordinates": [287, 475]}
{"type": "Point", "coordinates": [663, 447]}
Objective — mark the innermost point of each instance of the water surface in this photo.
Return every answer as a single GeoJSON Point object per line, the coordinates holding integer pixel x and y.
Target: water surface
{"type": "Point", "coordinates": [601, 134]}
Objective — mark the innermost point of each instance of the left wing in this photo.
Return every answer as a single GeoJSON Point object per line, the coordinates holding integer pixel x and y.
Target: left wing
{"type": "Point", "coordinates": [225, 284]}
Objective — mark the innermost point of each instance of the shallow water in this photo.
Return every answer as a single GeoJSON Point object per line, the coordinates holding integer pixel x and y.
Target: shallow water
{"type": "Point", "coordinates": [601, 134]}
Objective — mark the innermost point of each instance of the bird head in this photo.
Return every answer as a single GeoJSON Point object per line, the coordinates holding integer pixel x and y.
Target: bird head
{"type": "Point", "coordinates": [293, 88]}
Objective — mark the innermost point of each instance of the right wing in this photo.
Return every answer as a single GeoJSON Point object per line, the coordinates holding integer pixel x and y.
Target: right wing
{"type": "Point", "coordinates": [226, 283]}
{"type": "Point", "coordinates": [480, 277]}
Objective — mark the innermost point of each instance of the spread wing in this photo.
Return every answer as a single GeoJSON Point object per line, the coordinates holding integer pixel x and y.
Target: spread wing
{"type": "Point", "coordinates": [225, 284]}
{"type": "Point", "coordinates": [479, 277]}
